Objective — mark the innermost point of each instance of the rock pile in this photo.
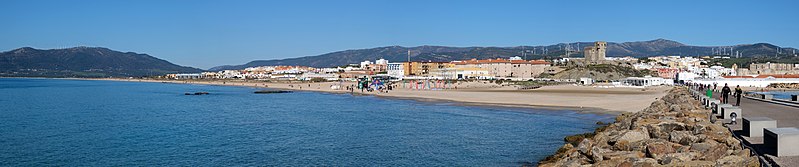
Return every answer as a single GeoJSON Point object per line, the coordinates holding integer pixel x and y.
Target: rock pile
{"type": "Point", "coordinates": [784, 85]}
{"type": "Point", "coordinates": [673, 131]}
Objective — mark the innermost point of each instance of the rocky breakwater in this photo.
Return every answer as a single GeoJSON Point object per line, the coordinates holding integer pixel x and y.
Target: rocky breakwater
{"type": "Point", "coordinates": [784, 85]}
{"type": "Point", "coordinates": [673, 131]}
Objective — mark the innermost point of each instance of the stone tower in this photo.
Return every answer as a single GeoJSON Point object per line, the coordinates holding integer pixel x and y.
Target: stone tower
{"type": "Point", "coordinates": [595, 54]}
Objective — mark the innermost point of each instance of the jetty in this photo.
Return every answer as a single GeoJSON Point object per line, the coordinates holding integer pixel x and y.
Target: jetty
{"type": "Point", "coordinates": [675, 130]}
{"type": "Point", "coordinates": [766, 125]}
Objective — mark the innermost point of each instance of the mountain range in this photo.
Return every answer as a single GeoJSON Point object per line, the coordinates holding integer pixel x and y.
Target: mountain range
{"type": "Point", "coordinates": [83, 62]}
{"type": "Point", "coordinates": [658, 47]}
{"type": "Point", "coordinates": [104, 62]}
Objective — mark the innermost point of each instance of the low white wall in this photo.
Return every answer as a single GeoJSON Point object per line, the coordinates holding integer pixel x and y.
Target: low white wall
{"type": "Point", "coordinates": [747, 82]}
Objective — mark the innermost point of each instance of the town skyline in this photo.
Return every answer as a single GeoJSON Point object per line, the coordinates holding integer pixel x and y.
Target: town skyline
{"type": "Point", "coordinates": [619, 49]}
{"type": "Point", "coordinates": [208, 33]}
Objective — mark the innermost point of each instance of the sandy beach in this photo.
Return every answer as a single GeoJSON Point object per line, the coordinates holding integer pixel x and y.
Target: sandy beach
{"type": "Point", "coordinates": [614, 100]}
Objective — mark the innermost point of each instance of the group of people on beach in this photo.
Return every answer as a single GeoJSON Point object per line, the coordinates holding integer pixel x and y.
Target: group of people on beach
{"type": "Point", "coordinates": [371, 88]}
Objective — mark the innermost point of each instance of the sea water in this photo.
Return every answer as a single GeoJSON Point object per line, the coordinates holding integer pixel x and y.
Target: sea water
{"type": "Point", "coordinates": [109, 123]}
{"type": "Point", "coordinates": [786, 95]}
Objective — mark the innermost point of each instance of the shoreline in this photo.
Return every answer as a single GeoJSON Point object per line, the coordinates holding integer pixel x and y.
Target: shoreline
{"type": "Point", "coordinates": [480, 104]}
{"type": "Point", "coordinates": [612, 101]}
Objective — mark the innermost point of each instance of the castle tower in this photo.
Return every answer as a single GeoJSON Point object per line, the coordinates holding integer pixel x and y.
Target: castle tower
{"type": "Point", "coordinates": [595, 54]}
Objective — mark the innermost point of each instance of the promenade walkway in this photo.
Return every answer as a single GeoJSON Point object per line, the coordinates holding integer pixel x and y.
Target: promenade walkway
{"type": "Point", "coordinates": [786, 116]}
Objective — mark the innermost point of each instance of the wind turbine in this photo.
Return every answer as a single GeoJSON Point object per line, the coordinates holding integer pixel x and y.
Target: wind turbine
{"type": "Point", "coordinates": [524, 53]}
{"type": "Point", "coordinates": [409, 55]}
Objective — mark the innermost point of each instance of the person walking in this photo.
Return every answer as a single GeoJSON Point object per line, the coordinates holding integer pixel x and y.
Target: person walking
{"type": "Point", "coordinates": [738, 94]}
{"type": "Point", "coordinates": [709, 92]}
{"type": "Point", "coordinates": [725, 94]}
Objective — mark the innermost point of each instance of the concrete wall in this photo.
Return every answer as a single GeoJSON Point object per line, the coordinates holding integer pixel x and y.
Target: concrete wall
{"type": "Point", "coordinates": [747, 82]}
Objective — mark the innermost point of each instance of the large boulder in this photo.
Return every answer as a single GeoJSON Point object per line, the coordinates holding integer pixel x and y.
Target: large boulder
{"type": "Point", "coordinates": [701, 147]}
{"type": "Point", "coordinates": [597, 153]}
{"type": "Point", "coordinates": [585, 146]}
{"type": "Point", "coordinates": [676, 158]}
{"type": "Point", "coordinates": [659, 149]}
{"type": "Point", "coordinates": [735, 160]}
{"type": "Point", "coordinates": [663, 129]}
{"type": "Point", "coordinates": [682, 137]}
{"type": "Point", "coordinates": [632, 136]}
{"type": "Point", "coordinates": [695, 164]}
{"type": "Point", "coordinates": [622, 155]}
{"type": "Point", "coordinates": [715, 152]}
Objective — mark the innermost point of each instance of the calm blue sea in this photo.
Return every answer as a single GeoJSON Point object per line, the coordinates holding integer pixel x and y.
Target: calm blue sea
{"type": "Point", "coordinates": [781, 94]}
{"type": "Point", "coordinates": [107, 123]}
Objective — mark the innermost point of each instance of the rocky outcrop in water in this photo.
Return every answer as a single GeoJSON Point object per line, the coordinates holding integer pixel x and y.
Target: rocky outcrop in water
{"type": "Point", "coordinates": [673, 131]}
{"type": "Point", "coordinates": [271, 91]}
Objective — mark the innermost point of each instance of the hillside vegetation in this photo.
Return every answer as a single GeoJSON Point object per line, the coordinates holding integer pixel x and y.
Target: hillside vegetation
{"type": "Point", "coordinates": [601, 72]}
{"type": "Point", "coordinates": [83, 62]}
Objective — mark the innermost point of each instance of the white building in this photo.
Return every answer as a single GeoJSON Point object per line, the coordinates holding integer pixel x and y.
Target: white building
{"type": "Point", "coordinates": [188, 76]}
{"type": "Point", "coordinates": [687, 76]}
{"type": "Point", "coordinates": [641, 66]}
{"type": "Point", "coordinates": [261, 68]}
{"type": "Point", "coordinates": [284, 76]}
{"type": "Point", "coordinates": [710, 73]}
{"type": "Point", "coordinates": [365, 64]}
{"type": "Point", "coordinates": [472, 73]}
{"type": "Point", "coordinates": [381, 61]}
{"type": "Point", "coordinates": [210, 75]}
{"type": "Point", "coordinates": [586, 81]}
{"type": "Point", "coordinates": [724, 71]}
{"type": "Point", "coordinates": [646, 81]}
{"type": "Point", "coordinates": [330, 70]}
{"type": "Point", "coordinates": [627, 58]}
{"type": "Point", "coordinates": [747, 81]}
{"type": "Point", "coordinates": [677, 61]}
{"type": "Point", "coordinates": [227, 74]}
{"type": "Point", "coordinates": [395, 70]}
{"type": "Point", "coordinates": [326, 76]}
{"type": "Point", "coordinates": [349, 68]}
{"type": "Point", "coordinates": [565, 60]}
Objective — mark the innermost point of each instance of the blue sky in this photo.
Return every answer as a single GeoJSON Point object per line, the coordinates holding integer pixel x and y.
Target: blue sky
{"type": "Point", "coordinates": [210, 33]}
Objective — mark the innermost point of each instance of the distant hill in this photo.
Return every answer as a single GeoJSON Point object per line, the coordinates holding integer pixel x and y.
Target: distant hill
{"type": "Point", "coordinates": [658, 47]}
{"type": "Point", "coordinates": [83, 62]}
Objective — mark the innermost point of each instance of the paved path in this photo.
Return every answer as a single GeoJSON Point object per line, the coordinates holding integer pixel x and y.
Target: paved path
{"type": "Point", "coordinates": [786, 116]}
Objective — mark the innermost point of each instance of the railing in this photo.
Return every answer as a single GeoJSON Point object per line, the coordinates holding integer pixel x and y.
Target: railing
{"type": "Point", "coordinates": [767, 162]}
